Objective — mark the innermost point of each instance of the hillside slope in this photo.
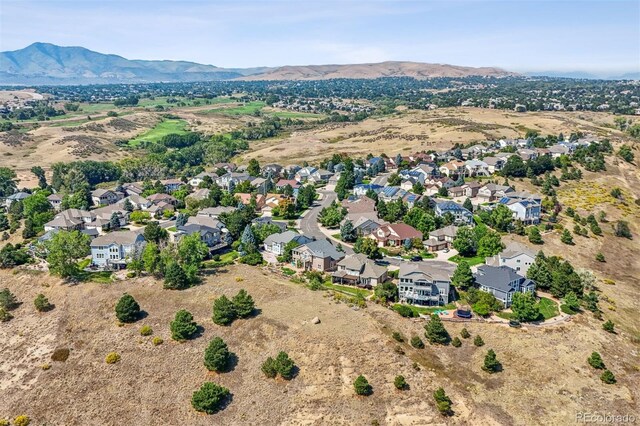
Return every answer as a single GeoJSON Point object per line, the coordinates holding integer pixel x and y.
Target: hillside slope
{"type": "Point", "coordinates": [377, 70]}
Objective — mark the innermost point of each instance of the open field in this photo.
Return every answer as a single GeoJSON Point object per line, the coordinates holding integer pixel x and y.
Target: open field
{"type": "Point", "coordinates": [409, 131]}
{"type": "Point", "coordinates": [159, 380]}
{"type": "Point", "coordinates": [162, 129]}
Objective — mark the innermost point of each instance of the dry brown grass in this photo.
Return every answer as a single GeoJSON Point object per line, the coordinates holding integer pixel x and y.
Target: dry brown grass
{"type": "Point", "coordinates": [411, 131]}
{"type": "Point", "coordinates": [545, 378]}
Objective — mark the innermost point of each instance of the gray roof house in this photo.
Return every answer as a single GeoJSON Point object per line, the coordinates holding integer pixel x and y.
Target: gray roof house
{"type": "Point", "coordinates": [460, 214]}
{"type": "Point", "coordinates": [516, 256]}
{"type": "Point", "coordinates": [425, 283]}
{"type": "Point", "coordinates": [18, 196]}
{"type": "Point", "coordinates": [358, 269]}
{"type": "Point", "coordinates": [318, 255]}
{"type": "Point", "coordinates": [275, 243]}
{"type": "Point", "coordinates": [115, 248]}
{"type": "Point", "coordinates": [503, 282]}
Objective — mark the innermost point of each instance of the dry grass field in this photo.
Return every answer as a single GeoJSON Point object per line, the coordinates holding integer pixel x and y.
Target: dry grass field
{"type": "Point", "coordinates": [545, 379]}
{"type": "Point", "coordinates": [411, 131]}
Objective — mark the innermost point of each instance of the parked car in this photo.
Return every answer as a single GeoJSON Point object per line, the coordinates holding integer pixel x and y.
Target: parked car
{"type": "Point", "coordinates": [514, 324]}
{"type": "Point", "coordinates": [416, 258]}
{"type": "Point", "coordinates": [446, 250]}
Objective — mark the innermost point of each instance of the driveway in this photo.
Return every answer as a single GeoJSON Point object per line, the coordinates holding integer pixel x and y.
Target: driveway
{"type": "Point", "coordinates": [309, 225]}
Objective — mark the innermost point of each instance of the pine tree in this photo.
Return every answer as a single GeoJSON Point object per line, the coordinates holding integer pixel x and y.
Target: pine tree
{"type": "Point", "coordinates": [608, 377]}
{"type": "Point", "coordinates": [127, 205]}
{"type": "Point", "coordinates": [478, 341]}
{"type": "Point", "coordinates": [223, 311]}
{"type": "Point", "coordinates": [114, 221]}
{"type": "Point", "coordinates": [209, 398]}
{"type": "Point", "coordinates": [462, 277]}
{"type": "Point", "coordinates": [534, 235]}
{"type": "Point", "coordinates": [248, 240]}
{"type": "Point", "coordinates": [566, 237]}
{"type": "Point", "coordinates": [8, 300]}
{"type": "Point", "coordinates": [609, 326]}
{"type": "Point", "coordinates": [183, 327]}
{"type": "Point", "coordinates": [127, 309]}
{"type": "Point", "coordinates": [243, 304]}
{"type": "Point", "coordinates": [216, 356]}
{"type": "Point", "coordinates": [175, 278]}
{"type": "Point", "coordinates": [595, 360]}
{"type": "Point", "coordinates": [443, 402]}
{"type": "Point", "coordinates": [468, 205]}
{"type": "Point", "coordinates": [491, 363]}
{"type": "Point", "coordinates": [435, 331]}
{"type": "Point", "coordinates": [42, 303]}
{"type": "Point", "coordinates": [465, 333]}
{"type": "Point", "coordinates": [362, 386]}
{"type": "Point", "coordinates": [400, 383]}
{"type": "Point", "coordinates": [285, 366]}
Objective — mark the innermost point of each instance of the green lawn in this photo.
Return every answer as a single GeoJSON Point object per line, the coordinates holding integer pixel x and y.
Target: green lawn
{"type": "Point", "coordinates": [548, 308]}
{"type": "Point", "coordinates": [428, 310]}
{"type": "Point", "coordinates": [248, 108]}
{"type": "Point", "coordinates": [162, 129]}
{"type": "Point", "coordinates": [293, 114]}
{"type": "Point", "coordinates": [475, 260]}
{"type": "Point", "coordinates": [353, 291]}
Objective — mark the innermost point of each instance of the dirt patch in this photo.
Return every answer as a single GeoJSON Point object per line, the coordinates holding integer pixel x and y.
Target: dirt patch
{"type": "Point", "coordinates": [153, 384]}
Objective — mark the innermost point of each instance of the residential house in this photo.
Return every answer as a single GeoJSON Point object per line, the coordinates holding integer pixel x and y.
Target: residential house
{"type": "Point", "coordinates": [321, 175]}
{"type": "Point", "coordinates": [105, 197]}
{"type": "Point", "coordinates": [362, 189]}
{"type": "Point", "coordinates": [275, 243]}
{"type": "Point", "coordinates": [460, 214]}
{"type": "Point", "coordinates": [18, 196]}
{"type": "Point", "coordinates": [69, 220]}
{"type": "Point", "coordinates": [359, 270]}
{"type": "Point", "coordinates": [134, 188]}
{"type": "Point", "coordinates": [115, 248]}
{"type": "Point", "coordinates": [215, 212]}
{"type": "Point", "coordinates": [494, 164]}
{"type": "Point", "coordinates": [56, 201]}
{"type": "Point", "coordinates": [453, 168]}
{"type": "Point", "coordinates": [493, 191]}
{"type": "Point", "coordinates": [199, 178]}
{"type": "Point", "coordinates": [365, 224]}
{"type": "Point", "coordinates": [232, 179]}
{"type": "Point", "coordinates": [362, 204]}
{"type": "Point", "coordinates": [526, 210]}
{"type": "Point", "coordinates": [471, 189]}
{"type": "Point", "coordinates": [477, 168]}
{"type": "Point", "coordinates": [503, 282]}
{"type": "Point", "coordinates": [268, 220]}
{"type": "Point", "coordinates": [200, 194]}
{"type": "Point", "coordinates": [138, 202]}
{"type": "Point", "coordinates": [527, 154]}
{"type": "Point", "coordinates": [516, 256]}
{"type": "Point", "coordinates": [425, 283]}
{"type": "Point", "coordinates": [558, 150]}
{"type": "Point", "coordinates": [166, 198]}
{"type": "Point", "coordinates": [305, 173]}
{"type": "Point", "coordinates": [273, 170]}
{"type": "Point", "coordinates": [172, 185]}
{"type": "Point", "coordinates": [318, 255]}
{"type": "Point", "coordinates": [441, 239]}
{"type": "Point", "coordinates": [260, 184]}
{"type": "Point", "coordinates": [210, 235]}
{"type": "Point", "coordinates": [391, 193]}
{"type": "Point", "coordinates": [294, 184]}
{"type": "Point", "coordinates": [395, 234]}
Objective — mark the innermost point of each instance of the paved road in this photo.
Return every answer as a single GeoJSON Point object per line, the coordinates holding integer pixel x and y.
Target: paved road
{"type": "Point", "coordinates": [309, 223]}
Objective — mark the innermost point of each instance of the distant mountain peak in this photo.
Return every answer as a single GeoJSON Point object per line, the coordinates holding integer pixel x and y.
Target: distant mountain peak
{"type": "Point", "coordinates": [46, 63]}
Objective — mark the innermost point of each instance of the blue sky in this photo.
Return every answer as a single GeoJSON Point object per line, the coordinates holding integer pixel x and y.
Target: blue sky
{"type": "Point", "coordinates": [596, 36]}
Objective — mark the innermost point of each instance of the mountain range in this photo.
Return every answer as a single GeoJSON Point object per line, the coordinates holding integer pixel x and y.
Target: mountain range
{"type": "Point", "coordinates": [44, 63]}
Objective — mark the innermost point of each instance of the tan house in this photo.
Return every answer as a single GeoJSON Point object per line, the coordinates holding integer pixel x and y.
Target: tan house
{"type": "Point", "coordinates": [359, 270]}
{"type": "Point", "coordinates": [319, 255]}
